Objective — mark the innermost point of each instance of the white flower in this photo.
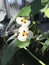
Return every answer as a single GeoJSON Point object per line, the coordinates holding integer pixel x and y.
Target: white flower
{"type": "Point", "coordinates": [23, 28]}
{"type": "Point", "coordinates": [22, 21]}
{"type": "Point", "coordinates": [22, 38]}
{"type": "Point", "coordinates": [24, 34]}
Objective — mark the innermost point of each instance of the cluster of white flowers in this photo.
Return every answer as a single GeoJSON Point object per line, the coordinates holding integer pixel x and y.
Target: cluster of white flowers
{"type": "Point", "coordinates": [24, 32]}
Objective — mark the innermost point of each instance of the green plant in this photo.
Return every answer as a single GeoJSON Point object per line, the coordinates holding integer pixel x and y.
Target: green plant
{"type": "Point", "coordinates": [28, 12]}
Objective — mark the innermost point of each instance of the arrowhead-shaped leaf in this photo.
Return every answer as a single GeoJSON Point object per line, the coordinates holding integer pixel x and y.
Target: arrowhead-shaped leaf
{"type": "Point", "coordinates": [12, 48]}
{"type": "Point", "coordinates": [9, 52]}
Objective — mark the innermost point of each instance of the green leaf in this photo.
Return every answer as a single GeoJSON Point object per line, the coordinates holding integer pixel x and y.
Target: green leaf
{"type": "Point", "coordinates": [22, 44]}
{"type": "Point", "coordinates": [45, 7]}
{"type": "Point", "coordinates": [11, 38]}
{"type": "Point", "coordinates": [33, 8]}
{"type": "Point", "coordinates": [46, 43]}
{"type": "Point", "coordinates": [43, 49]}
{"type": "Point", "coordinates": [9, 52]}
{"type": "Point", "coordinates": [47, 12]}
{"type": "Point", "coordinates": [45, 46]}
{"type": "Point", "coordinates": [44, 1]}
{"type": "Point", "coordinates": [41, 37]}
{"type": "Point", "coordinates": [11, 21]}
{"type": "Point", "coordinates": [23, 12]}
{"type": "Point", "coordinates": [12, 48]}
{"type": "Point", "coordinates": [43, 10]}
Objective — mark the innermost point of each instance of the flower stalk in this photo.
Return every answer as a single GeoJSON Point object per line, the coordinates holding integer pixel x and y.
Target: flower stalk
{"type": "Point", "coordinates": [42, 63]}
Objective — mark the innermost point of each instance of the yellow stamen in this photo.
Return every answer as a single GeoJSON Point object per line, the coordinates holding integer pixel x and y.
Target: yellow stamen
{"type": "Point", "coordinates": [23, 20]}
{"type": "Point", "coordinates": [24, 33]}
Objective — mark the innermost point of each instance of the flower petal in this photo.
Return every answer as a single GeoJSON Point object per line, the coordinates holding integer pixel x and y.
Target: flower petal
{"type": "Point", "coordinates": [18, 20]}
{"type": "Point", "coordinates": [23, 28]}
{"type": "Point", "coordinates": [22, 38]}
{"type": "Point", "coordinates": [30, 35]}
{"type": "Point", "coordinates": [27, 23]}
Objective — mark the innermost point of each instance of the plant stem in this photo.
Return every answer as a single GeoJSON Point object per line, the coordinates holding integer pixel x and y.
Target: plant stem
{"type": "Point", "coordinates": [42, 43]}
{"type": "Point", "coordinates": [44, 35]}
{"type": "Point", "coordinates": [34, 56]}
{"type": "Point", "coordinates": [5, 40]}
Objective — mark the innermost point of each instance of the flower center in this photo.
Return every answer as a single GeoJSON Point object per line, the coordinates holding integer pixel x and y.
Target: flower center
{"type": "Point", "coordinates": [23, 20]}
{"type": "Point", "coordinates": [24, 33]}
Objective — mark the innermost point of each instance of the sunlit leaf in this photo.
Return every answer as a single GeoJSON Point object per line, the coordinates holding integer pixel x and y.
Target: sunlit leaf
{"type": "Point", "coordinates": [47, 12]}
{"type": "Point", "coordinates": [43, 10]}
{"type": "Point", "coordinates": [25, 11]}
